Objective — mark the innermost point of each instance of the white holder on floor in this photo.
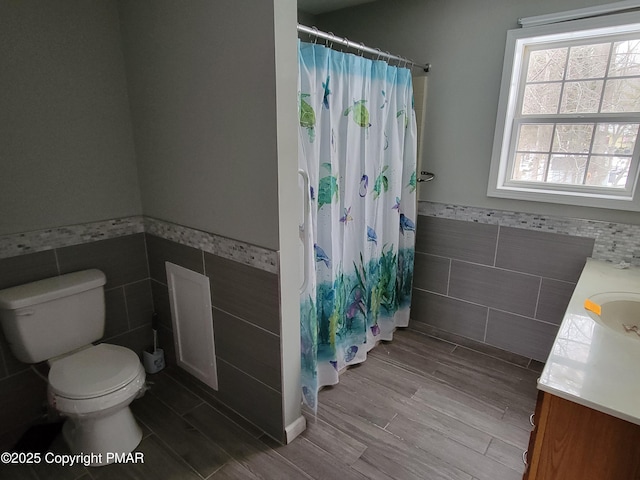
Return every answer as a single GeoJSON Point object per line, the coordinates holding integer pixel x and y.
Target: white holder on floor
{"type": "Point", "coordinates": [153, 361]}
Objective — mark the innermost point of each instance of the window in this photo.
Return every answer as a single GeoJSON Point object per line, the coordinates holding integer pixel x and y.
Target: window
{"type": "Point", "coordinates": [569, 114]}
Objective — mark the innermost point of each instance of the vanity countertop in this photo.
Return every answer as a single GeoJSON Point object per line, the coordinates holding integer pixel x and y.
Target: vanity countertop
{"type": "Point", "coordinates": [590, 364]}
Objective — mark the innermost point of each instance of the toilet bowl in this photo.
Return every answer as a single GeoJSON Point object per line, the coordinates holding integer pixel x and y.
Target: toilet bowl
{"type": "Point", "coordinates": [93, 388]}
{"type": "Point", "coordinates": [57, 319]}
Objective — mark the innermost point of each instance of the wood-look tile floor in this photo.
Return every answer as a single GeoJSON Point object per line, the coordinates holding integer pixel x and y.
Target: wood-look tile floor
{"type": "Point", "coordinates": [418, 408]}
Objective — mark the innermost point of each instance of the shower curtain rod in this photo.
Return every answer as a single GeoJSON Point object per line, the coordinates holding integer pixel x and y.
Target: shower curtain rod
{"type": "Point", "coordinates": [361, 47]}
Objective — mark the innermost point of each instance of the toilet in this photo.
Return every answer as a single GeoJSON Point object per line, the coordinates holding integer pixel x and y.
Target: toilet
{"type": "Point", "coordinates": [57, 319]}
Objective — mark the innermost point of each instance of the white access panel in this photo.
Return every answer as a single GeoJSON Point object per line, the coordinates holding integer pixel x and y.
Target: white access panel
{"type": "Point", "coordinates": [190, 299]}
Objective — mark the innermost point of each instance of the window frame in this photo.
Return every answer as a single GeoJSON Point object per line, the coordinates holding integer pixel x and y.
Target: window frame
{"type": "Point", "coordinates": [506, 133]}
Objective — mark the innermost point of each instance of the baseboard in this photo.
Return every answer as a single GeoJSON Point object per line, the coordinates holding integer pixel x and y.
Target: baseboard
{"type": "Point", "coordinates": [295, 428]}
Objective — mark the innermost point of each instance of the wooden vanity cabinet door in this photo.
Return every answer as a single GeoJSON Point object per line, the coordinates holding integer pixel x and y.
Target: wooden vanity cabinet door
{"type": "Point", "coordinates": [573, 442]}
{"type": "Point", "coordinates": [537, 419]}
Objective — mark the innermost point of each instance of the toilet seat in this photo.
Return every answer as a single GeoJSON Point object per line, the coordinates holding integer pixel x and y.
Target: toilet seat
{"type": "Point", "coordinates": [94, 372]}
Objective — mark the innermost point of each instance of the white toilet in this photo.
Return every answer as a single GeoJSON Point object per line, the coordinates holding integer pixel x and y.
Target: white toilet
{"type": "Point", "coordinates": [56, 319]}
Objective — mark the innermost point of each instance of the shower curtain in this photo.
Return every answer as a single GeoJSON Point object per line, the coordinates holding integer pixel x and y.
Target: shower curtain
{"type": "Point", "coordinates": [357, 145]}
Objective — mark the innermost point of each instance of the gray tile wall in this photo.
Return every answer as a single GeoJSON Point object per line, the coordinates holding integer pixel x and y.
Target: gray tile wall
{"type": "Point", "coordinates": [476, 280]}
{"type": "Point", "coordinates": [246, 317]}
{"type": "Point", "coordinates": [128, 301]}
{"type": "Point", "coordinates": [614, 242]}
{"type": "Point", "coordinates": [502, 286]}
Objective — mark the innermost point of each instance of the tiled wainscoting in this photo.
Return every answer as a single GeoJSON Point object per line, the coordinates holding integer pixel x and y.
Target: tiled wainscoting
{"type": "Point", "coordinates": [503, 286]}
{"type": "Point", "coordinates": [244, 288]}
{"type": "Point", "coordinates": [498, 278]}
{"type": "Point", "coordinates": [128, 302]}
{"type": "Point", "coordinates": [614, 242]}
{"type": "Point", "coordinates": [246, 318]}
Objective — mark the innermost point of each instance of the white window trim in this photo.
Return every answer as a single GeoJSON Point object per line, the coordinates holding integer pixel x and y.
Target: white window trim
{"type": "Point", "coordinates": [516, 39]}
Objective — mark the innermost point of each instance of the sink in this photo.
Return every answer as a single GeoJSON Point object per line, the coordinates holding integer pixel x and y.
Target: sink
{"type": "Point", "coordinates": [620, 312]}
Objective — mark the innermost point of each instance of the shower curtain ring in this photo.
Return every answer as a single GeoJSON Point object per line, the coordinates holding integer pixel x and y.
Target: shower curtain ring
{"type": "Point", "coordinates": [316, 34]}
{"type": "Point", "coordinates": [346, 43]}
{"type": "Point", "coordinates": [329, 42]}
{"type": "Point", "coordinates": [379, 53]}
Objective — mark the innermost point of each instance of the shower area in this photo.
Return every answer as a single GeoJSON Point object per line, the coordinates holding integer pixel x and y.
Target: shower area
{"type": "Point", "coordinates": [358, 175]}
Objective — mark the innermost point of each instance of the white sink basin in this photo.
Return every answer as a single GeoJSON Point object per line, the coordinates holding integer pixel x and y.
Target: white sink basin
{"type": "Point", "coordinates": [620, 312]}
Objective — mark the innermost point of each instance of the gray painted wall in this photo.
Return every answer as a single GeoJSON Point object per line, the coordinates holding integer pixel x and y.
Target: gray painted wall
{"type": "Point", "coordinates": [464, 41]}
{"type": "Point", "coordinates": [306, 18]}
{"type": "Point", "coordinates": [203, 109]}
{"type": "Point", "coordinates": [202, 86]}
{"type": "Point", "coordinates": [66, 147]}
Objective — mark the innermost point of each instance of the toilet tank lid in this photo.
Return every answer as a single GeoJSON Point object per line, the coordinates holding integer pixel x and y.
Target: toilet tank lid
{"type": "Point", "coordinates": [49, 289]}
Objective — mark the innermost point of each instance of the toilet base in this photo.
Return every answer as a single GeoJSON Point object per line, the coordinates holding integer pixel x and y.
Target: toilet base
{"type": "Point", "coordinates": [115, 433]}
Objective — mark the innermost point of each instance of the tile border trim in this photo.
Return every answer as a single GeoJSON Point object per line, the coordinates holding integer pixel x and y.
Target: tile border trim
{"type": "Point", "coordinates": [614, 242]}
{"type": "Point", "coordinates": [14, 245]}
{"type": "Point", "coordinates": [245, 253]}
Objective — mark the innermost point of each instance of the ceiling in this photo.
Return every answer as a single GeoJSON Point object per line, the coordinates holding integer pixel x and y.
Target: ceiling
{"type": "Point", "coordinates": [316, 7]}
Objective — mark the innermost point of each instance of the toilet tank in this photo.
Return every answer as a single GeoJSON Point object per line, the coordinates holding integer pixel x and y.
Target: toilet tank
{"type": "Point", "coordinates": [57, 315]}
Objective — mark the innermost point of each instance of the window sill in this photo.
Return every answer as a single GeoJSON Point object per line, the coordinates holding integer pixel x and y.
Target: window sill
{"type": "Point", "coordinates": [565, 198]}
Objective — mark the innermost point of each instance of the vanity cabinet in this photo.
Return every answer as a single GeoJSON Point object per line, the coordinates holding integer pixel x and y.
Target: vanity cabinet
{"type": "Point", "coordinates": [570, 441]}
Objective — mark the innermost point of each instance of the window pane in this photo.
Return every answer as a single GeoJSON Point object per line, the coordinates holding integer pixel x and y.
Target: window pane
{"type": "Point", "coordinates": [625, 59]}
{"type": "Point", "coordinates": [567, 169]}
{"type": "Point", "coordinates": [622, 95]}
{"type": "Point", "coordinates": [615, 138]}
{"type": "Point", "coordinates": [569, 115]}
{"type": "Point", "coordinates": [541, 98]}
{"type": "Point", "coordinates": [588, 61]}
{"type": "Point", "coordinates": [546, 65]}
{"type": "Point", "coordinates": [534, 138]}
{"type": "Point", "coordinates": [529, 167]}
{"type": "Point", "coordinates": [581, 97]}
{"type": "Point", "coordinates": [608, 171]}
{"type": "Point", "coordinates": [572, 138]}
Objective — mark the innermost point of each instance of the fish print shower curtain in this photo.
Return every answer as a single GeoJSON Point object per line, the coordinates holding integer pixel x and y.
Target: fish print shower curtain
{"type": "Point", "coordinates": [357, 144]}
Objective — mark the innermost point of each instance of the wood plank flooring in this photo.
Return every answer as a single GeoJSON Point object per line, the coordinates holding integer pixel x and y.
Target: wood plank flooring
{"type": "Point", "coordinates": [418, 408]}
